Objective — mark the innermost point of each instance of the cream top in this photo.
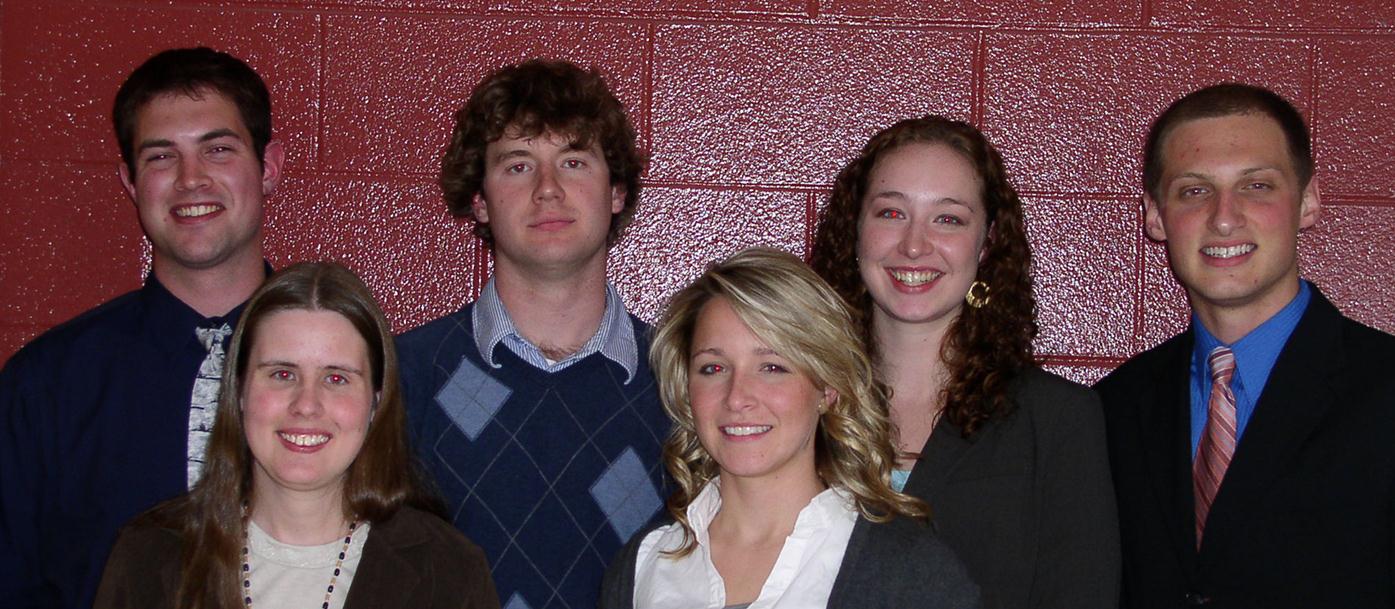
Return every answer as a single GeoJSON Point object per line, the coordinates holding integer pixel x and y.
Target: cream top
{"type": "Point", "coordinates": [284, 575]}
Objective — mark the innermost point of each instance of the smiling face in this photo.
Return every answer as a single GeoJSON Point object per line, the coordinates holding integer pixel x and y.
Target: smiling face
{"type": "Point", "coordinates": [307, 400]}
{"type": "Point", "coordinates": [1230, 213]}
{"type": "Point", "coordinates": [548, 204]}
{"type": "Point", "coordinates": [755, 414]}
{"type": "Point", "coordinates": [921, 234]}
{"type": "Point", "coordinates": [198, 187]}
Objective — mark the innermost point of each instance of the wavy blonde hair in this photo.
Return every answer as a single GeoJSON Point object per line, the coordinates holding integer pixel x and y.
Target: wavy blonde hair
{"type": "Point", "coordinates": [795, 313]}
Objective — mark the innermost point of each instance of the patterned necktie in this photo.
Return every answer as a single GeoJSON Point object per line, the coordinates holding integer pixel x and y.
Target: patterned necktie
{"type": "Point", "coordinates": [203, 401]}
{"type": "Point", "coordinates": [1217, 438]}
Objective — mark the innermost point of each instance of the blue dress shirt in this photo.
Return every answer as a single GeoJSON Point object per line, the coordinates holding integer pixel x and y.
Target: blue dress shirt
{"type": "Point", "coordinates": [614, 339]}
{"type": "Point", "coordinates": [1255, 354]}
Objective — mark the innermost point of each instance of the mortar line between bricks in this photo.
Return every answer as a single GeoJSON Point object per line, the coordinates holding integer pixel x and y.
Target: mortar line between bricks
{"type": "Point", "coordinates": [1314, 118]}
{"type": "Point", "coordinates": [321, 103]}
{"type": "Point", "coordinates": [1139, 281]}
{"type": "Point", "coordinates": [647, 82]}
{"type": "Point", "coordinates": [978, 79]}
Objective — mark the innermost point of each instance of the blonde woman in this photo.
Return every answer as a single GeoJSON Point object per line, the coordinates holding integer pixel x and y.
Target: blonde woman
{"type": "Point", "coordinates": [781, 452]}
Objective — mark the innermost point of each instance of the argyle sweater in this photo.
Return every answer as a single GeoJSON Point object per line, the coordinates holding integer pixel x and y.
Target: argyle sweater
{"type": "Point", "coordinates": [550, 473]}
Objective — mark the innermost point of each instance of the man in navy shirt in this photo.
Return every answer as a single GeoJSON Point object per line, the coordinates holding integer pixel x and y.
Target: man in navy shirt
{"type": "Point", "coordinates": [104, 415]}
{"type": "Point", "coordinates": [534, 408]}
{"type": "Point", "coordinates": [1252, 454]}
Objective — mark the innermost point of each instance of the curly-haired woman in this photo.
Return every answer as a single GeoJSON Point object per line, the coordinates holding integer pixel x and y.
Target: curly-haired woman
{"type": "Point", "coordinates": [923, 236]}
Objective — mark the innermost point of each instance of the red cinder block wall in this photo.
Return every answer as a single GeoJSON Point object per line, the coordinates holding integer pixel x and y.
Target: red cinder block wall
{"type": "Point", "coordinates": [747, 107]}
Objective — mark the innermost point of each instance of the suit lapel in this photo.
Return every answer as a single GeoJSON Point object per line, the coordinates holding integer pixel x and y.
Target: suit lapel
{"type": "Point", "coordinates": [385, 578]}
{"type": "Point", "coordinates": [1295, 399]}
{"type": "Point", "coordinates": [941, 455]}
{"type": "Point", "coordinates": [852, 555]}
{"type": "Point", "coordinates": [1165, 420]}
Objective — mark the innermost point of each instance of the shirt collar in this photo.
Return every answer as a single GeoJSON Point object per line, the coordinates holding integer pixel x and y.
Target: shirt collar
{"type": "Point", "coordinates": [832, 504]}
{"type": "Point", "coordinates": [171, 323]}
{"type": "Point", "coordinates": [1255, 352]}
{"type": "Point", "coordinates": [614, 339]}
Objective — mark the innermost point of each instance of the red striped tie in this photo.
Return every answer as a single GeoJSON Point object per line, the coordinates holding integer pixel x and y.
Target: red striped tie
{"type": "Point", "coordinates": [1217, 439]}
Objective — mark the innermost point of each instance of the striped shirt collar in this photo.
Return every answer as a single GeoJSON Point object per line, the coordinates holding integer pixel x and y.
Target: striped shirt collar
{"type": "Point", "coordinates": [615, 339]}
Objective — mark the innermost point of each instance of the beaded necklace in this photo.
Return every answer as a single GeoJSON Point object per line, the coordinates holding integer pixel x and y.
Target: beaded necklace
{"type": "Point", "coordinates": [246, 568]}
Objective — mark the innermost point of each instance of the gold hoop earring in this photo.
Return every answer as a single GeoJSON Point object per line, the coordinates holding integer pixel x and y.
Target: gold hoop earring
{"type": "Point", "coordinates": [978, 295]}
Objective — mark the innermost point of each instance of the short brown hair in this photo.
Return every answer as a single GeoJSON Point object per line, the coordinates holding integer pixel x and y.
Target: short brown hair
{"type": "Point", "coordinates": [192, 72]}
{"type": "Point", "coordinates": [534, 98]}
{"type": "Point", "coordinates": [1227, 99]}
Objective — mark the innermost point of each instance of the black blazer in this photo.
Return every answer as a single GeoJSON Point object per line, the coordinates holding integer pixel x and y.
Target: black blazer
{"type": "Point", "coordinates": [1304, 516]}
{"type": "Point", "coordinates": [1027, 501]}
{"type": "Point", "coordinates": [899, 564]}
{"type": "Point", "coordinates": [412, 560]}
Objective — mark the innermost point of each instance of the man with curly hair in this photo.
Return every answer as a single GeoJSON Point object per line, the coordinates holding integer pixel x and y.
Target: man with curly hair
{"type": "Point", "coordinates": [534, 408]}
{"type": "Point", "coordinates": [1252, 454]}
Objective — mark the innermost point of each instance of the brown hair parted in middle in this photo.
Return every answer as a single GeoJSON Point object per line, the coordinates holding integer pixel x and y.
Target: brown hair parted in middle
{"type": "Point", "coordinates": [534, 98]}
{"type": "Point", "coordinates": [381, 479]}
{"type": "Point", "coordinates": [985, 347]}
{"type": "Point", "coordinates": [795, 313]}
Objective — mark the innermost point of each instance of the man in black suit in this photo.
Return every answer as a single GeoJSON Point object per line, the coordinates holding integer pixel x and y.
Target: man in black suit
{"type": "Point", "coordinates": [1253, 454]}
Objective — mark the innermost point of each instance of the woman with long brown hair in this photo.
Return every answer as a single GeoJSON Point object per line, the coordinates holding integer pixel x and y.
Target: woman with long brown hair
{"type": "Point", "coordinates": [780, 452]}
{"type": "Point", "coordinates": [309, 497]}
{"type": "Point", "coordinates": [923, 236]}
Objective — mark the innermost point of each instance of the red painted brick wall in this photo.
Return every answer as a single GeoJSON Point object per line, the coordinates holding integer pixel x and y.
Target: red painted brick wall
{"type": "Point", "coordinates": [748, 108]}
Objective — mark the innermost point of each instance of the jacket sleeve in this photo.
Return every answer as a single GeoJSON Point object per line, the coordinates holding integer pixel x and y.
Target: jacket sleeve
{"type": "Point", "coordinates": [23, 468]}
{"type": "Point", "coordinates": [1079, 565]}
{"type": "Point", "coordinates": [618, 585]}
{"type": "Point", "coordinates": [482, 594]}
{"type": "Point", "coordinates": [141, 571]}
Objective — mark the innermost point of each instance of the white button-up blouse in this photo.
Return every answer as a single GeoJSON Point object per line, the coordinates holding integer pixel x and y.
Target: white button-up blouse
{"type": "Point", "coordinates": [802, 577]}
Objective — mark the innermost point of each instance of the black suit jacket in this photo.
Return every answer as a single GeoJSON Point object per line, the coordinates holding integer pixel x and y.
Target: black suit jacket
{"type": "Point", "coordinates": [412, 560]}
{"type": "Point", "coordinates": [1305, 516]}
{"type": "Point", "coordinates": [1027, 502]}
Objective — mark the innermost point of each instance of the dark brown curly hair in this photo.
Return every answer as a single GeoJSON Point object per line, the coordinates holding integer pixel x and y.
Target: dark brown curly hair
{"type": "Point", "coordinates": [534, 98]}
{"type": "Point", "coordinates": [985, 348]}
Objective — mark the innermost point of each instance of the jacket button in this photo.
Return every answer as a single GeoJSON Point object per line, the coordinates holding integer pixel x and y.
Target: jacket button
{"type": "Point", "coordinates": [1196, 599]}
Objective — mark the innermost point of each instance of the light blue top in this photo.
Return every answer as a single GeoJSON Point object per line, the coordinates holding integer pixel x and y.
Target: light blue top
{"type": "Point", "coordinates": [899, 478]}
{"type": "Point", "coordinates": [1255, 354]}
{"type": "Point", "coordinates": [615, 339]}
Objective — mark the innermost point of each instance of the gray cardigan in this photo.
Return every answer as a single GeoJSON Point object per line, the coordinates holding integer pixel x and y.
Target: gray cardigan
{"type": "Point", "coordinates": [1028, 502]}
{"type": "Point", "coordinates": [894, 565]}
